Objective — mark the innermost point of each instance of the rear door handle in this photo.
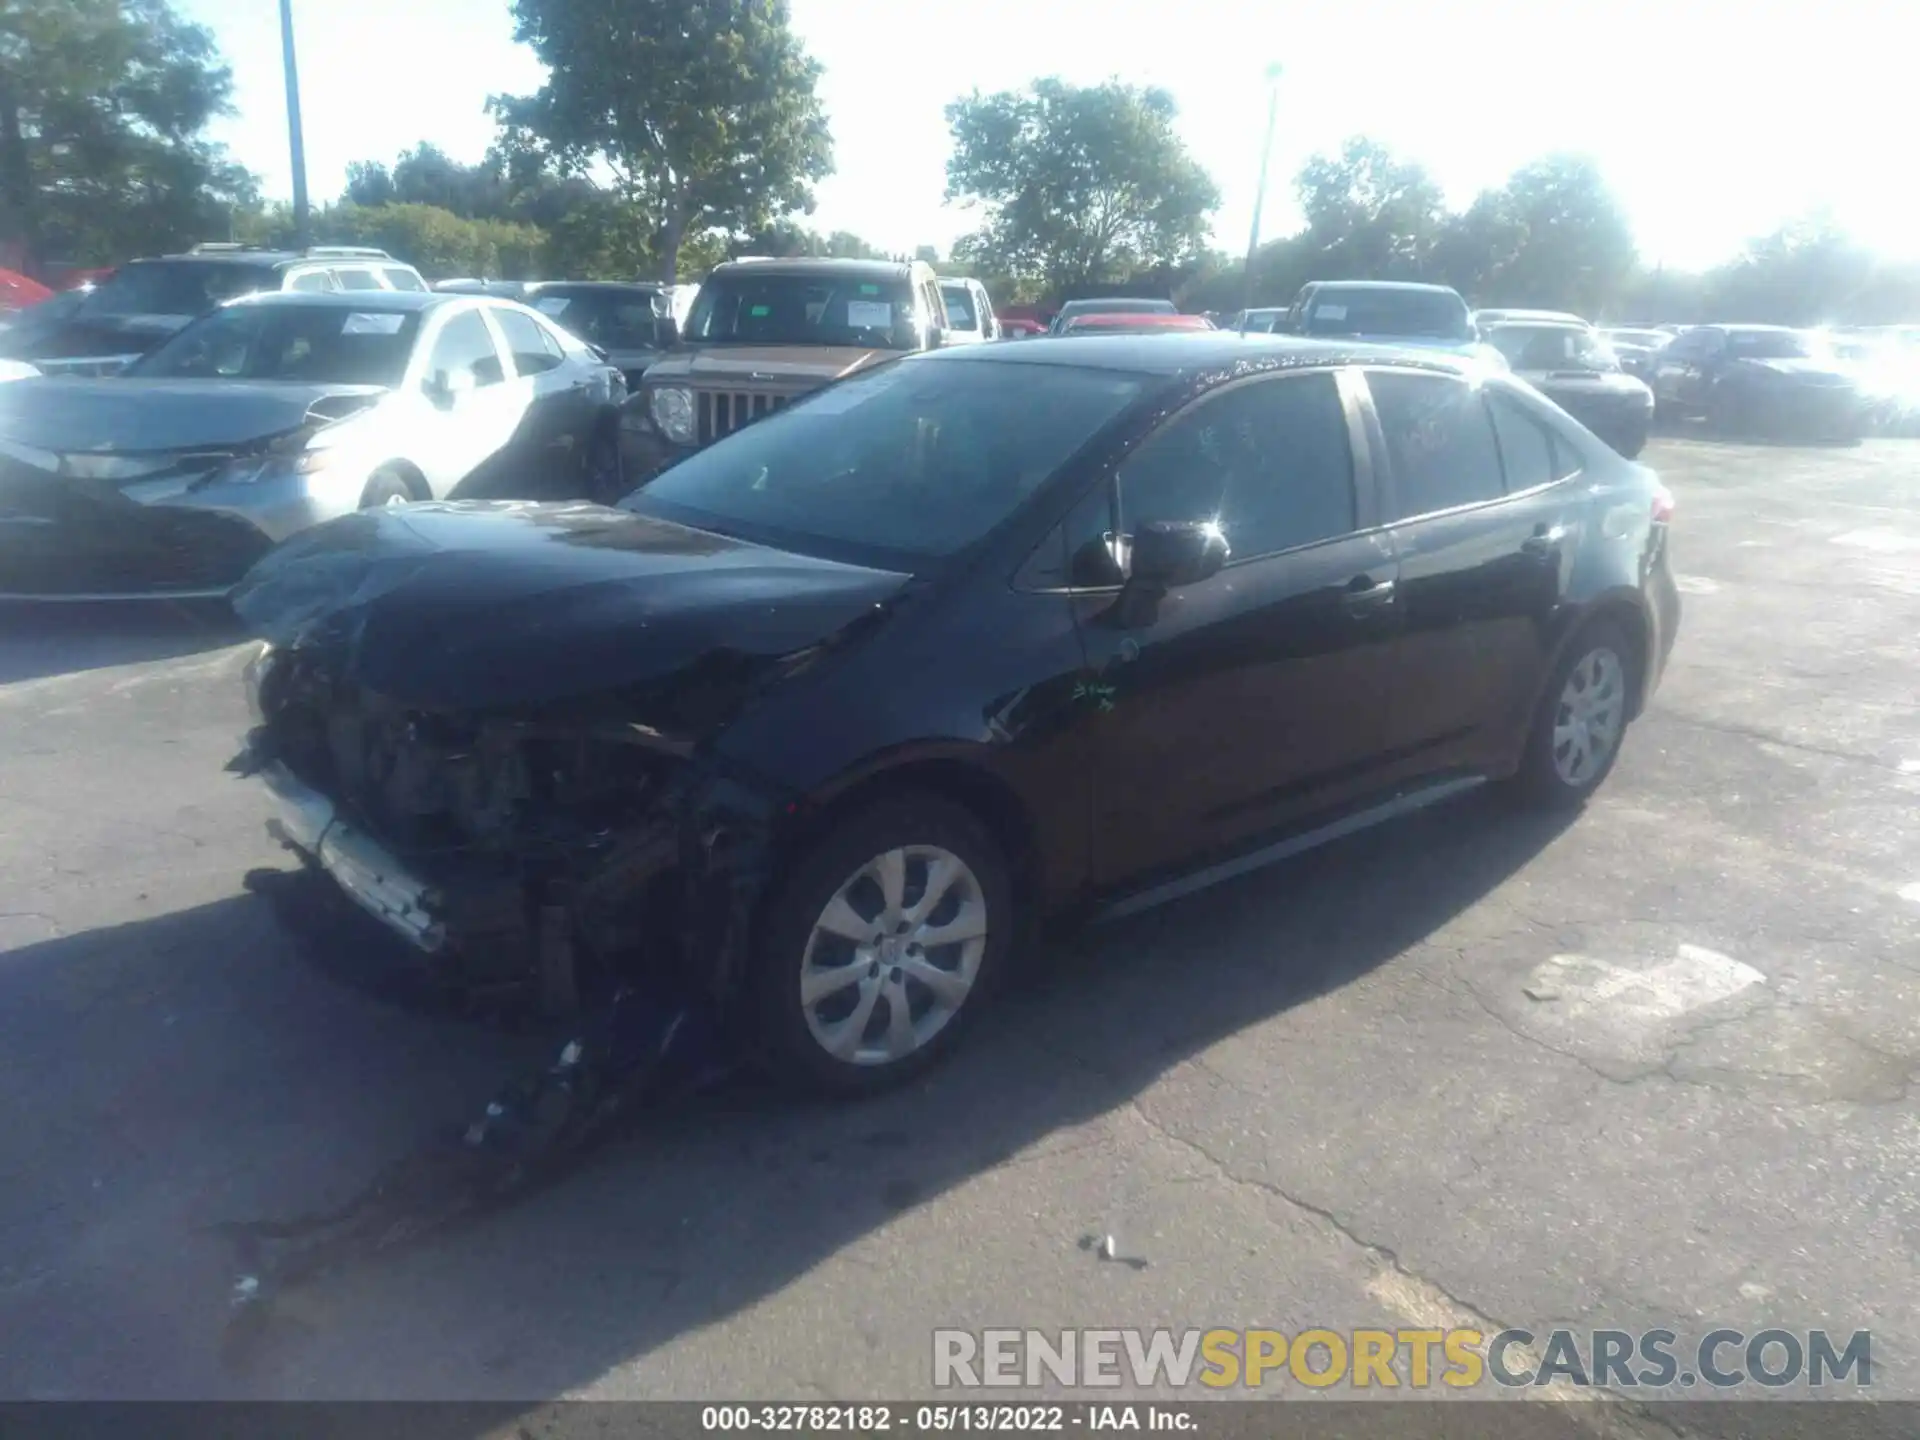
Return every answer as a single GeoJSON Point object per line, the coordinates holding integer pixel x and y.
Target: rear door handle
{"type": "Point", "coordinates": [1364, 594]}
{"type": "Point", "coordinates": [1544, 543]}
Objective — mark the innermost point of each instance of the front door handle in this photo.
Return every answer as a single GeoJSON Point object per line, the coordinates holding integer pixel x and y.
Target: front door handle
{"type": "Point", "coordinates": [1364, 594]}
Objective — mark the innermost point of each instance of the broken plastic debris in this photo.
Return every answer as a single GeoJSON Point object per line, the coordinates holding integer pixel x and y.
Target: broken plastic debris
{"type": "Point", "coordinates": [1108, 1250]}
{"type": "Point", "coordinates": [1541, 990]}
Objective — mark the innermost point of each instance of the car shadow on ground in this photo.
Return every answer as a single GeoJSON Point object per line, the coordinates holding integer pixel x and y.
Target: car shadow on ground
{"type": "Point", "coordinates": [245, 1083]}
{"type": "Point", "coordinates": [39, 640]}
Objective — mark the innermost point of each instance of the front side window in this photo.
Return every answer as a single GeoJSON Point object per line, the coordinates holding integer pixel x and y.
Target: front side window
{"type": "Point", "coordinates": [1439, 441]}
{"type": "Point", "coordinates": [357, 279]}
{"type": "Point", "coordinates": [748, 308]}
{"type": "Point", "coordinates": [398, 278]}
{"type": "Point", "coordinates": [908, 462]}
{"type": "Point", "coordinates": [313, 282]}
{"type": "Point", "coordinates": [1269, 462]}
{"type": "Point", "coordinates": [466, 346]}
{"type": "Point", "coordinates": [315, 344]}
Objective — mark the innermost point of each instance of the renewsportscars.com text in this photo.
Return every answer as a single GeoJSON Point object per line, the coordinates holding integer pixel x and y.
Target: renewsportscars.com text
{"type": "Point", "coordinates": [1221, 1359]}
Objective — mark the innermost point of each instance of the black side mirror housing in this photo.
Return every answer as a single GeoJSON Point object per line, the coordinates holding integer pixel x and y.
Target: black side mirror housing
{"type": "Point", "coordinates": [1167, 554]}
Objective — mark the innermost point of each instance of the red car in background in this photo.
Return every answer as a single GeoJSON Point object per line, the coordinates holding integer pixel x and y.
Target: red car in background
{"type": "Point", "coordinates": [17, 291]}
{"type": "Point", "coordinates": [1120, 322]}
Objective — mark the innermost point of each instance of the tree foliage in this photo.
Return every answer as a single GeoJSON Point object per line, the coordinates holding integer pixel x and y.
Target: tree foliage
{"type": "Point", "coordinates": [703, 111]}
{"type": "Point", "coordinates": [1369, 212]}
{"type": "Point", "coordinates": [1079, 183]}
{"type": "Point", "coordinates": [103, 107]}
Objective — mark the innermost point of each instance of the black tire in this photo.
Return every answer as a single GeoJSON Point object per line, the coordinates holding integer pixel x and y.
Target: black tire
{"type": "Point", "coordinates": [602, 466]}
{"type": "Point", "coordinates": [1539, 781]}
{"type": "Point", "coordinates": [387, 487]}
{"type": "Point", "coordinates": [784, 1039]}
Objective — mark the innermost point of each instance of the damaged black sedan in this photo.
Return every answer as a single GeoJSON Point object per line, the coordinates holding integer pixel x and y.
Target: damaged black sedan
{"type": "Point", "coordinates": [820, 725]}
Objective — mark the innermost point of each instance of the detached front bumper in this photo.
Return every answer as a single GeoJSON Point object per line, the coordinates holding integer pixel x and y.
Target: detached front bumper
{"type": "Point", "coordinates": [365, 871]}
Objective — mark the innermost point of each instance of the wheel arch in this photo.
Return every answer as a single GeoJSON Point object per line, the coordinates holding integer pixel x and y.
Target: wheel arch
{"type": "Point", "coordinates": [953, 774]}
{"type": "Point", "coordinates": [1627, 608]}
{"type": "Point", "coordinates": [410, 475]}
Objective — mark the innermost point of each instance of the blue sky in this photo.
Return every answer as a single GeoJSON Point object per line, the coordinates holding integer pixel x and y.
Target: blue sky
{"type": "Point", "coordinates": [1714, 120]}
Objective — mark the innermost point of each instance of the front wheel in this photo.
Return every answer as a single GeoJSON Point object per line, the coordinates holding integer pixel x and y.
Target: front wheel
{"type": "Point", "coordinates": [881, 946]}
{"type": "Point", "coordinates": [1582, 719]}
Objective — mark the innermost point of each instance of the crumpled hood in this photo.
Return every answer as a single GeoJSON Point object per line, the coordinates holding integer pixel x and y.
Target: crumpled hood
{"type": "Point", "coordinates": [69, 414]}
{"type": "Point", "coordinates": [1819, 372]}
{"type": "Point", "coordinates": [505, 605]}
{"type": "Point", "coordinates": [714, 364]}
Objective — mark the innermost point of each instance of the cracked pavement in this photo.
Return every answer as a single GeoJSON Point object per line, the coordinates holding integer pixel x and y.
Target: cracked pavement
{"type": "Point", "coordinates": [1321, 1095]}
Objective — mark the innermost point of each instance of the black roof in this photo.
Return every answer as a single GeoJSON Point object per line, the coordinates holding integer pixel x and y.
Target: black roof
{"type": "Point", "coordinates": [1414, 286]}
{"type": "Point", "coordinates": [1192, 350]}
{"type": "Point", "coordinates": [256, 258]}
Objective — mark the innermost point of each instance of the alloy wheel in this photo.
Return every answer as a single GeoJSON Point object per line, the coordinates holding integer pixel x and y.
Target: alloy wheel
{"type": "Point", "coordinates": [1588, 717]}
{"type": "Point", "coordinates": [894, 954]}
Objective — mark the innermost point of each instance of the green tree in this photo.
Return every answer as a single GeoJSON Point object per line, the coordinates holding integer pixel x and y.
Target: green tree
{"type": "Point", "coordinates": [1553, 236]}
{"type": "Point", "coordinates": [1079, 183]}
{"type": "Point", "coordinates": [1370, 215]}
{"type": "Point", "coordinates": [103, 106]}
{"type": "Point", "coordinates": [703, 110]}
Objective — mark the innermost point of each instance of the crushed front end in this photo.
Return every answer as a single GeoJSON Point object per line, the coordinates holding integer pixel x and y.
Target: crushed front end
{"type": "Point", "coordinates": [548, 858]}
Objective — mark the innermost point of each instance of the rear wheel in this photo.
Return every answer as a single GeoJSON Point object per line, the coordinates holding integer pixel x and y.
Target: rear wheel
{"type": "Point", "coordinates": [387, 487]}
{"type": "Point", "coordinates": [1582, 719]}
{"type": "Point", "coordinates": [881, 947]}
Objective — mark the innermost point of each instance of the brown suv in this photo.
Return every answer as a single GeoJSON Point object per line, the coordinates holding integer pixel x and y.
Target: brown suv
{"type": "Point", "coordinates": [762, 332]}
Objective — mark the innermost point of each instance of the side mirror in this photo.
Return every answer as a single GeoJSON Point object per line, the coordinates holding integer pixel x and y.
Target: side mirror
{"type": "Point", "coordinates": [1169, 553]}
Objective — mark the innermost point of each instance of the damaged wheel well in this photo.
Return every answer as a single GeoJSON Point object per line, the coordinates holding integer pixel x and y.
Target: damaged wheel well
{"type": "Point", "coordinates": [981, 793]}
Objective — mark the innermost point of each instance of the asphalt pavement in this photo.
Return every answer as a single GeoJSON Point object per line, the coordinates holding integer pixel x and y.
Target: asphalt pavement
{"type": "Point", "coordinates": [1649, 1068]}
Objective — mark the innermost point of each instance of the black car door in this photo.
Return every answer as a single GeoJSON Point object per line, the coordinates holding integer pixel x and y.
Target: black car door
{"type": "Point", "coordinates": [1239, 704]}
{"type": "Point", "coordinates": [1485, 524]}
{"type": "Point", "coordinates": [558, 423]}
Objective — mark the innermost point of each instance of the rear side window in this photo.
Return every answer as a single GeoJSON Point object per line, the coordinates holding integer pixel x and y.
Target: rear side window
{"type": "Point", "coordinates": [313, 281]}
{"type": "Point", "coordinates": [357, 279]}
{"type": "Point", "coordinates": [401, 279]}
{"type": "Point", "coordinates": [1440, 441]}
{"type": "Point", "coordinates": [1528, 450]}
{"type": "Point", "coordinates": [532, 348]}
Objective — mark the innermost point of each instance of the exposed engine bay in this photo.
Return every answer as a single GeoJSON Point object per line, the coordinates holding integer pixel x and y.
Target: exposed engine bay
{"type": "Point", "coordinates": [542, 856]}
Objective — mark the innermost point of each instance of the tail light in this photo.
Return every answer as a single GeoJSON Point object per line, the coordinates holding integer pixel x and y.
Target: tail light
{"type": "Point", "coordinates": [1662, 504]}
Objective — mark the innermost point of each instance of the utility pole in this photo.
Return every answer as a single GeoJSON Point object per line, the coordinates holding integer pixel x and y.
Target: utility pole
{"type": "Point", "coordinates": [297, 143]}
{"type": "Point", "coordinates": [1260, 195]}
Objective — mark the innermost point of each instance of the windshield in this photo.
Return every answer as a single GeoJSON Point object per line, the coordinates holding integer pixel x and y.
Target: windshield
{"type": "Point", "coordinates": [314, 344]}
{"type": "Point", "coordinates": [960, 307]}
{"type": "Point", "coordinates": [914, 460]}
{"type": "Point", "coordinates": [1775, 345]}
{"type": "Point", "coordinates": [1426, 314]}
{"type": "Point", "coordinates": [177, 287]}
{"type": "Point", "coordinates": [611, 319]}
{"type": "Point", "coordinates": [1552, 347]}
{"type": "Point", "coordinates": [750, 309]}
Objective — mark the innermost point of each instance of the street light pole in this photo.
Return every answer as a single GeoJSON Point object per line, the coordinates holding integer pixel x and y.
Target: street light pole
{"type": "Point", "coordinates": [294, 138]}
{"type": "Point", "coordinates": [1260, 195]}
